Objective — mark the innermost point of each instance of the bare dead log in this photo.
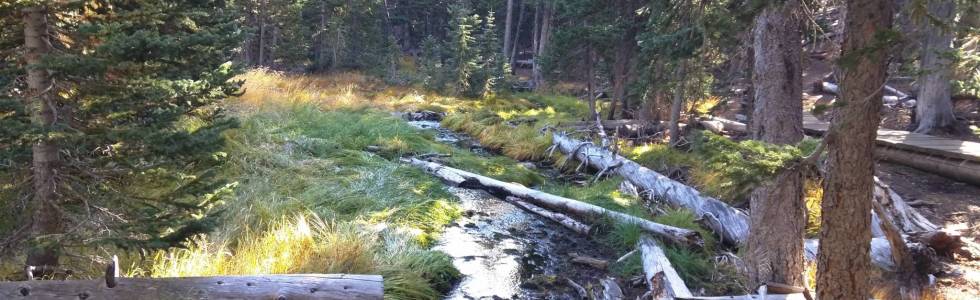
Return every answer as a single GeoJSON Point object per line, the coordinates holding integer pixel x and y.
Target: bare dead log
{"type": "Point", "coordinates": [600, 264]}
{"type": "Point", "coordinates": [610, 289]}
{"type": "Point", "coordinates": [676, 235]}
{"type": "Point", "coordinates": [906, 218]}
{"type": "Point", "coordinates": [897, 95]}
{"type": "Point", "coordinates": [880, 253]}
{"type": "Point", "coordinates": [731, 224]}
{"type": "Point", "coordinates": [582, 293]}
{"type": "Point", "coordinates": [561, 219]}
{"type": "Point", "coordinates": [310, 286]}
{"type": "Point", "coordinates": [661, 278]}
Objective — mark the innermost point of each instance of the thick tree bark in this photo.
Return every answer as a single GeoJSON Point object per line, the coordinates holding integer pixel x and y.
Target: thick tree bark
{"type": "Point", "coordinates": [677, 104]}
{"type": "Point", "coordinates": [934, 108]}
{"type": "Point", "coordinates": [45, 213]}
{"type": "Point", "coordinates": [778, 215]}
{"type": "Point", "coordinates": [843, 263]}
{"type": "Point", "coordinates": [508, 27]}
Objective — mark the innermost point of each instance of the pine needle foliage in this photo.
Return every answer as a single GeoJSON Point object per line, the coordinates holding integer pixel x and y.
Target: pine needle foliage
{"type": "Point", "coordinates": [136, 85]}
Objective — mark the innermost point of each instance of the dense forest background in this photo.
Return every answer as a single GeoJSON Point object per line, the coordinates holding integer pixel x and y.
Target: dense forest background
{"type": "Point", "coordinates": [180, 134]}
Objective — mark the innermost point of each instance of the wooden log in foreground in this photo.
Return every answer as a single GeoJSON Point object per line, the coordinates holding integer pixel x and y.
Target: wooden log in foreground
{"type": "Point", "coordinates": [661, 278]}
{"type": "Point", "coordinates": [676, 235]}
{"type": "Point", "coordinates": [728, 222]}
{"type": "Point", "coordinates": [310, 286]}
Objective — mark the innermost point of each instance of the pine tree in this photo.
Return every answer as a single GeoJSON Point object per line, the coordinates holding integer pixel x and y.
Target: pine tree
{"type": "Point", "coordinates": [133, 116]}
{"type": "Point", "coordinates": [493, 66]}
{"type": "Point", "coordinates": [464, 55]}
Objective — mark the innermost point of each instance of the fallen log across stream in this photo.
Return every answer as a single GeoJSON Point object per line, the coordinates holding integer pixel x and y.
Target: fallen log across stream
{"type": "Point", "coordinates": [730, 223]}
{"type": "Point", "coordinates": [679, 236]}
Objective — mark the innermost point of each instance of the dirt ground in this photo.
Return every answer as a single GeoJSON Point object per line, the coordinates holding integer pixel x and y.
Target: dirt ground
{"type": "Point", "coordinates": [947, 203]}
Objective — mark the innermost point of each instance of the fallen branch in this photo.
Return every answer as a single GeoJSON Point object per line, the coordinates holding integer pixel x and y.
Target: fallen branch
{"type": "Point", "coordinates": [676, 235]}
{"type": "Point", "coordinates": [600, 264]}
{"type": "Point", "coordinates": [730, 223]}
{"type": "Point", "coordinates": [564, 220]}
{"type": "Point", "coordinates": [582, 293]}
{"type": "Point", "coordinates": [661, 278]}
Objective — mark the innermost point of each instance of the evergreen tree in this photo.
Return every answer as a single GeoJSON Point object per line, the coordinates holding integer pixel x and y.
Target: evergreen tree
{"type": "Point", "coordinates": [464, 56]}
{"type": "Point", "coordinates": [133, 118]}
{"type": "Point", "coordinates": [493, 66]}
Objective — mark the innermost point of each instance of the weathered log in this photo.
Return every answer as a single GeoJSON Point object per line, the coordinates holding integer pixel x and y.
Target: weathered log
{"type": "Point", "coordinates": [610, 289]}
{"type": "Point", "coordinates": [676, 235]}
{"type": "Point", "coordinates": [561, 219]}
{"type": "Point", "coordinates": [309, 286]}
{"type": "Point", "coordinates": [881, 253]}
{"type": "Point", "coordinates": [661, 278]}
{"type": "Point", "coordinates": [731, 224]}
{"type": "Point", "coordinates": [600, 264]}
{"type": "Point", "coordinates": [582, 293]}
{"type": "Point", "coordinates": [720, 125]}
{"type": "Point", "coordinates": [832, 88]}
{"type": "Point", "coordinates": [906, 218]}
{"type": "Point", "coordinates": [713, 126]}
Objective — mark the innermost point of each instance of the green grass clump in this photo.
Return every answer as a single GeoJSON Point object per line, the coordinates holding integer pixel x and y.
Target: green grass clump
{"type": "Point", "coordinates": [604, 193]}
{"type": "Point", "coordinates": [298, 159]}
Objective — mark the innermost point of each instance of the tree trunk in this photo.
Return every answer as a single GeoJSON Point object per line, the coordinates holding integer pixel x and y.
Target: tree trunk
{"type": "Point", "coordinates": [536, 73]}
{"type": "Point", "coordinates": [262, 12]}
{"type": "Point", "coordinates": [843, 262]}
{"type": "Point", "coordinates": [45, 213]}
{"type": "Point", "coordinates": [677, 104]}
{"type": "Point", "coordinates": [934, 108]}
{"type": "Point", "coordinates": [508, 27]}
{"type": "Point", "coordinates": [512, 56]}
{"type": "Point", "coordinates": [590, 58]}
{"type": "Point", "coordinates": [621, 67]}
{"type": "Point", "coordinates": [778, 215]}
{"type": "Point", "coordinates": [322, 34]}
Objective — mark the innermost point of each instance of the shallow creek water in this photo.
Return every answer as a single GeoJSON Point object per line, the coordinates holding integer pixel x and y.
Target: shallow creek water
{"type": "Point", "coordinates": [505, 252]}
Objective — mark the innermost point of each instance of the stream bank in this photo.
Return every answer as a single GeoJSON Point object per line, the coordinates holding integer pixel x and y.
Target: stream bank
{"type": "Point", "coordinates": [504, 252]}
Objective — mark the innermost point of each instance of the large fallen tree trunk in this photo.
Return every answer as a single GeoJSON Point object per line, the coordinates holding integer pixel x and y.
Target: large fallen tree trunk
{"type": "Point", "coordinates": [679, 236]}
{"type": "Point", "coordinates": [661, 278]}
{"type": "Point", "coordinates": [731, 224]}
{"type": "Point", "coordinates": [332, 286]}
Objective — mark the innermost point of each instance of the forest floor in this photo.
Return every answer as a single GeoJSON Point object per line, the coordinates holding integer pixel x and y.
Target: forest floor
{"type": "Point", "coordinates": [950, 204]}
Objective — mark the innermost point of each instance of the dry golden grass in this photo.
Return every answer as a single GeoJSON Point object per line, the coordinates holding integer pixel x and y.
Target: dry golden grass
{"type": "Point", "coordinates": [347, 90]}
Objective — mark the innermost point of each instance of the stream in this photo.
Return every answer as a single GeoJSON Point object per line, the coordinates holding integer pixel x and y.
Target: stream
{"type": "Point", "coordinates": [504, 252]}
